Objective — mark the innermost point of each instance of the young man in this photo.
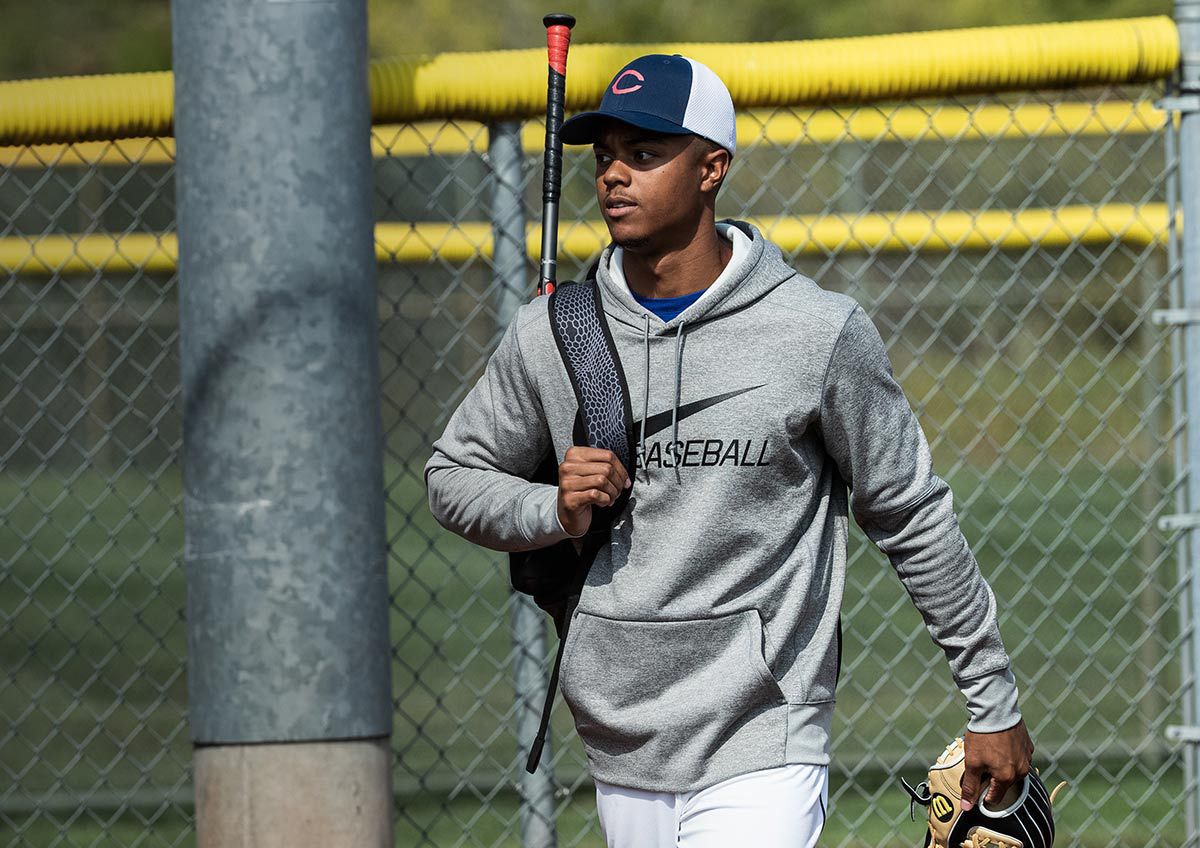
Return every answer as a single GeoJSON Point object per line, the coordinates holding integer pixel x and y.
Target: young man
{"type": "Point", "coordinates": [702, 661]}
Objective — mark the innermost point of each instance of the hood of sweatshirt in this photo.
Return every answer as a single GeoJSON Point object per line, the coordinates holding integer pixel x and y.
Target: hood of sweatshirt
{"type": "Point", "coordinates": [759, 270]}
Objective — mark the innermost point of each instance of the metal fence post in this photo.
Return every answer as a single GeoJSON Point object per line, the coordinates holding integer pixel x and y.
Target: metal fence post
{"type": "Point", "coordinates": [1179, 465]}
{"type": "Point", "coordinates": [513, 285]}
{"type": "Point", "coordinates": [289, 660]}
{"type": "Point", "coordinates": [1187, 103]}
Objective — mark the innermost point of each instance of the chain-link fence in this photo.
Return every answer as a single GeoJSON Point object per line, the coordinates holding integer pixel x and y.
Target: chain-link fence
{"type": "Point", "coordinates": [1010, 248]}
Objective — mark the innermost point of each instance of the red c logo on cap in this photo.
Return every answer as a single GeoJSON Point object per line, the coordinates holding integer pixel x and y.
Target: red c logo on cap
{"type": "Point", "coordinates": [630, 72]}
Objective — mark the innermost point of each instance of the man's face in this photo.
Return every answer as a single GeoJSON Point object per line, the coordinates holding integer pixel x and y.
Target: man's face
{"type": "Point", "coordinates": [653, 189]}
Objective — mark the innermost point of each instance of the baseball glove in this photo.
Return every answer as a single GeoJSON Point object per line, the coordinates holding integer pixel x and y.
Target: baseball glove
{"type": "Point", "coordinates": [1022, 819]}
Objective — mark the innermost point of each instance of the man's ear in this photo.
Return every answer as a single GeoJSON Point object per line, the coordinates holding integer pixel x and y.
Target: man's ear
{"type": "Point", "coordinates": [714, 162]}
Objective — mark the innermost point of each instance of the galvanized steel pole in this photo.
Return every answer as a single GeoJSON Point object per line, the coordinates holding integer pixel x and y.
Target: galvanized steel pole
{"type": "Point", "coordinates": [288, 652]}
{"type": "Point", "coordinates": [1187, 18]}
{"type": "Point", "coordinates": [514, 285]}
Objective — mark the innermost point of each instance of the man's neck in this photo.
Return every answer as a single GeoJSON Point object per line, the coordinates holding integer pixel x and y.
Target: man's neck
{"type": "Point", "coordinates": [676, 271]}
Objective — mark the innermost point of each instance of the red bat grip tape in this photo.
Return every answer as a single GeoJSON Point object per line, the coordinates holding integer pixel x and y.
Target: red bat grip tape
{"type": "Point", "coordinates": [558, 41]}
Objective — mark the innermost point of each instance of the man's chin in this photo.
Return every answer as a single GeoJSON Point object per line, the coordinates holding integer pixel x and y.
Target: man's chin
{"type": "Point", "coordinates": [623, 238]}
{"type": "Point", "coordinates": [634, 244]}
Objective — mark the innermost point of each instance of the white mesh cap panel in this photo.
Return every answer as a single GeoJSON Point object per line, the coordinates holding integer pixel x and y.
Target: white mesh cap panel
{"type": "Point", "coordinates": [710, 108]}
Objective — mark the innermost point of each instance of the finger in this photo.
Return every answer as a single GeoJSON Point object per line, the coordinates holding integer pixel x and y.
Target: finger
{"type": "Point", "coordinates": [623, 479]}
{"type": "Point", "coordinates": [1002, 780]}
{"type": "Point", "coordinates": [601, 498]}
{"type": "Point", "coordinates": [575, 502]}
{"type": "Point", "coordinates": [617, 475]}
{"type": "Point", "coordinates": [995, 792]}
{"type": "Point", "coordinates": [970, 787]}
{"type": "Point", "coordinates": [614, 471]}
{"type": "Point", "coordinates": [586, 453]}
{"type": "Point", "coordinates": [584, 469]}
{"type": "Point", "coordinates": [600, 482]}
{"type": "Point", "coordinates": [587, 497]}
{"type": "Point", "coordinates": [583, 453]}
{"type": "Point", "coordinates": [604, 485]}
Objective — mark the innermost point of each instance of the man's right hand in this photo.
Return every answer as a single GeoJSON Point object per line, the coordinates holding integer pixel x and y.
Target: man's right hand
{"type": "Point", "coordinates": [587, 476]}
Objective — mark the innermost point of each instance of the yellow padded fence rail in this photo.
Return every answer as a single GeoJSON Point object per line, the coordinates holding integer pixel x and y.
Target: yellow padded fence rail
{"type": "Point", "coordinates": [1139, 225]}
{"type": "Point", "coordinates": [908, 124]}
{"type": "Point", "coordinates": [490, 85]}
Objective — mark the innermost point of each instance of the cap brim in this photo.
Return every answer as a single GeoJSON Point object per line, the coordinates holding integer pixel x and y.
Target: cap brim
{"type": "Point", "coordinates": [585, 127]}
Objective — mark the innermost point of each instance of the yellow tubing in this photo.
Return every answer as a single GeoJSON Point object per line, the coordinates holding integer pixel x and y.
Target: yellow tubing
{"type": "Point", "coordinates": [511, 83]}
{"type": "Point", "coordinates": [872, 68]}
{"type": "Point", "coordinates": [415, 243]}
{"type": "Point", "coordinates": [785, 128]}
{"type": "Point", "coordinates": [86, 108]}
{"type": "Point", "coordinates": [816, 234]}
{"type": "Point", "coordinates": [50, 255]}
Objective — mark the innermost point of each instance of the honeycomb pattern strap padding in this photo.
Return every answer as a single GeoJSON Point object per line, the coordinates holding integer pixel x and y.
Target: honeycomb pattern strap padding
{"type": "Point", "coordinates": [586, 345]}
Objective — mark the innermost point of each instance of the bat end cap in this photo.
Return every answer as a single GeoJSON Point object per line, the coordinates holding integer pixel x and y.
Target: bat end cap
{"type": "Point", "coordinates": [558, 19]}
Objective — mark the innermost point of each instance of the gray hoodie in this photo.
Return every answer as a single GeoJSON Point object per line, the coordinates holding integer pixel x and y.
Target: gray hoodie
{"type": "Point", "coordinates": [707, 642]}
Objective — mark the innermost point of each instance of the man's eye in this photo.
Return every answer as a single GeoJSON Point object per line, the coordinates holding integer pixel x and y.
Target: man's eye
{"type": "Point", "coordinates": [602, 159]}
{"type": "Point", "coordinates": [643, 155]}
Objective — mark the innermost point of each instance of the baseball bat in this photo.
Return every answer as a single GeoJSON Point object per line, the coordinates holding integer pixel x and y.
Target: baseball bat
{"type": "Point", "coordinates": [558, 42]}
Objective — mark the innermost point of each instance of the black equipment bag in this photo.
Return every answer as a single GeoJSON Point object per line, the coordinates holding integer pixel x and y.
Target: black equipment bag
{"type": "Point", "coordinates": [555, 575]}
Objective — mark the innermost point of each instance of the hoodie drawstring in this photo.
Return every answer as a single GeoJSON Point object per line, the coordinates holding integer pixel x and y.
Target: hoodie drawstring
{"type": "Point", "coordinates": [646, 395]}
{"type": "Point", "coordinates": [675, 406]}
{"type": "Point", "coordinates": [645, 400]}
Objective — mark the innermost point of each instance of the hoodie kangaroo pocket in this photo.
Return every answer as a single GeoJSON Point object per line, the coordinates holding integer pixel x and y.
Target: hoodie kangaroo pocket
{"type": "Point", "coordinates": [646, 694]}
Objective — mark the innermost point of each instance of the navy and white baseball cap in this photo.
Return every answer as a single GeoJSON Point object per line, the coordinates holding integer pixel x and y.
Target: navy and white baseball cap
{"type": "Point", "coordinates": [673, 95]}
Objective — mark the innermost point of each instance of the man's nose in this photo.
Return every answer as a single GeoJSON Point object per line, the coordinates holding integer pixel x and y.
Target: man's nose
{"type": "Point", "coordinates": [616, 174]}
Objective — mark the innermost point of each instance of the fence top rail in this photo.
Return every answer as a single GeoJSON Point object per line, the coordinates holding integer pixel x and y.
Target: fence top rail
{"type": "Point", "coordinates": [511, 83]}
{"type": "Point", "coordinates": [779, 128]}
{"type": "Point", "coordinates": [413, 242]}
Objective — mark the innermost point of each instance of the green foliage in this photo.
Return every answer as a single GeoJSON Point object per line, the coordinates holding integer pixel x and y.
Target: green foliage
{"type": "Point", "coordinates": [70, 37]}
{"type": "Point", "coordinates": [403, 26]}
{"type": "Point", "coordinates": [89, 36]}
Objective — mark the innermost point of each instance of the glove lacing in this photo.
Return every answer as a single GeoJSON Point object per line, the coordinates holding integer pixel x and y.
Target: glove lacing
{"type": "Point", "coordinates": [920, 795]}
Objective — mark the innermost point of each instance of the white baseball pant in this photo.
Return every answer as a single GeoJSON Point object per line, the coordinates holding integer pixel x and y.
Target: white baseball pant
{"type": "Point", "coordinates": [773, 808]}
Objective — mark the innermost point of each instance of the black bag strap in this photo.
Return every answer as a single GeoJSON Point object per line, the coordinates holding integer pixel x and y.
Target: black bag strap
{"type": "Point", "coordinates": [586, 345]}
{"type": "Point", "coordinates": [605, 420]}
{"type": "Point", "coordinates": [592, 544]}
{"type": "Point", "coordinates": [539, 741]}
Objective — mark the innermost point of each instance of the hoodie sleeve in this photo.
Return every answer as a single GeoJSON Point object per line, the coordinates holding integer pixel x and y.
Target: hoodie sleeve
{"type": "Point", "coordinates": [478, 474]}
{"type": "Point", "coordinates": [908, 512]}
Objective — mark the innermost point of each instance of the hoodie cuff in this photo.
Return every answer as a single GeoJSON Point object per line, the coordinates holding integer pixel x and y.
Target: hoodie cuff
{"type": "Point", "coordinates": [991, 701]}
{"type": "Point", "coordinates": [537, 516]}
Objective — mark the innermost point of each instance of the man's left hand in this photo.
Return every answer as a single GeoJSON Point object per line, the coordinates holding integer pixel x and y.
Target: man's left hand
{"type": "Point", "coordinates": [1003, 756]}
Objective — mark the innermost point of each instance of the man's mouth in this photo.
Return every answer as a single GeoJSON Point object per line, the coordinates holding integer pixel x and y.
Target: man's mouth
{"type": "Point", "coordinates": [617, 207]}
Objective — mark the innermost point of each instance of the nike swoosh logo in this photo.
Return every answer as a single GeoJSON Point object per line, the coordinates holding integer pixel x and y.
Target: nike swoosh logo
{"type": "Point", "coordinates": [662, 420]}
